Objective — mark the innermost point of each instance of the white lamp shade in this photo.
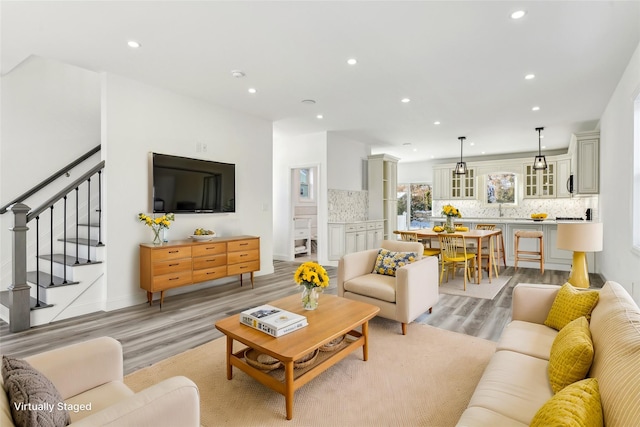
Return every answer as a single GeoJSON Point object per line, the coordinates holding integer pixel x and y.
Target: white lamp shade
{"type": "Point", "coordinates": [580, 236]}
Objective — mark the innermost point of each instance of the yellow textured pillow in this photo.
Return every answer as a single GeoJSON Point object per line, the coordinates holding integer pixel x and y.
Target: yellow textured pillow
{"type": "Point", "coordinates": [570, 303]}
{"type": "Point", "coordinates": [571, 354]}
{"type": "Point", "coordinates": [577, 405]}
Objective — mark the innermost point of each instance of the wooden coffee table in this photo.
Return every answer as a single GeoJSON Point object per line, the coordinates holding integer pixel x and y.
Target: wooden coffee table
{"type": "Point", "coordinates": [333, 318]}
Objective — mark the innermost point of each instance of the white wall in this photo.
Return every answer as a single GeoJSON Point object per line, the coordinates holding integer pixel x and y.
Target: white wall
{"type": "Point", "coordinates": [138, 119]}
{"type": "Point", "coordinates": [415, 172]}
{"type": "Point", "coordinates": [345, 159]}
{"type": "Point", "coordinates": [294, 152]}
{"type": "Point", "coordinates": [50, 116]}
{"type": "Point", "coordinates": [617, 261]}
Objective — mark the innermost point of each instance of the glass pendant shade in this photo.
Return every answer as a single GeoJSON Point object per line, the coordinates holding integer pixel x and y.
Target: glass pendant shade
{"type": "Point", "coordinates": [540, 162]}
{"type": "Point", "coordinates": [461, 167]}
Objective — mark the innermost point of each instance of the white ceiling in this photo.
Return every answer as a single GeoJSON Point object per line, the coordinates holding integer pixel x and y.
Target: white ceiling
{"type": "Point", "coordinates": [461, 63]}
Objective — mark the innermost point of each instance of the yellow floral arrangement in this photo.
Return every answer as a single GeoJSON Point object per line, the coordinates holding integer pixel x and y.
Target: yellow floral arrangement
{"type": "Point", "coordinates": [311, 275]}
{"type": "Point", "coordinates": [448, 210]}
{"type": "Point", "coordinates": [163, 221]}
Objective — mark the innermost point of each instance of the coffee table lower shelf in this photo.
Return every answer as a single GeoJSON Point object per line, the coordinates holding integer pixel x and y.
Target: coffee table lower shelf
{"type": "Point", "coordinates": [286, 381]}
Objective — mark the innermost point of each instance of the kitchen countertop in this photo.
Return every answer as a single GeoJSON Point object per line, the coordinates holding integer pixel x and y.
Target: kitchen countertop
{"type": "Point", "coordinates": [502, 220]}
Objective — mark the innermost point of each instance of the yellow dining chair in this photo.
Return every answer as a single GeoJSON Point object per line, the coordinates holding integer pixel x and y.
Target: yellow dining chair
{"type": "Point", "coordinates": [453, 250]}
{"type": "Point", "coordinates": [412, 236]}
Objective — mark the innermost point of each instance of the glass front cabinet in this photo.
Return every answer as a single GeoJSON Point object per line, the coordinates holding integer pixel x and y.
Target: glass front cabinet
{"type": "Point", "coordinates": [540, 183]}
{"type": "Point", "coordinates": [463, 186]}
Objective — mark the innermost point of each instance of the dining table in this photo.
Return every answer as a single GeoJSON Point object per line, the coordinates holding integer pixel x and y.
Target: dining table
{"type": "Point", "coordinates": [474, 235]}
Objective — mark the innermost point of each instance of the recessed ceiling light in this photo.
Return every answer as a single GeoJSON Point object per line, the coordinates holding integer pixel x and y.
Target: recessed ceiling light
{"type": "Point", "coordinates": [251, 90]}
{"type": "Point", "coordinates": [482, 152]}
{"type": "Point", "coordinates": [406, 144]}
{"type": "Point", "coordinates": [352, 61]}
{"type": "Point", "coordinates": [133, 44]}
{"type": "Point", "coordinates": [518, 14]}
{"type": "Point", "coordinates": [436, 123]}
{"type": "Point", "coordinates": [472, 143]}
{"type": "Point", "coordinates": [237, 74]}
{"type": "Point", "coordinates": [530, 76]}
{"type": "Point", "coordinates": [535, 108]}
{"type": "Point", "coordinates": [319, 116]}
{"type": "Point", "coordinates": [405, 100]}
{"type": "Point", "coordinates": [415, 149]}
{"type": "Point", "coordinates": [308, 101]}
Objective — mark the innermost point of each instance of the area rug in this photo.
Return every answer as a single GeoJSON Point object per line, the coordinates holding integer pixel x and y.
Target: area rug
{"type": "Point", "coordinates": [423, 378]}
{"type": "Point", "coordinates": [484, 290]}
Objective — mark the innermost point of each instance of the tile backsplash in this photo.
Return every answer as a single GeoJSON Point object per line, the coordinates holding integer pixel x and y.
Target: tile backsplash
{"type": "Point", "coordinates": [347, 205]}
{"type": "Point", "coordinates": [570, 207]}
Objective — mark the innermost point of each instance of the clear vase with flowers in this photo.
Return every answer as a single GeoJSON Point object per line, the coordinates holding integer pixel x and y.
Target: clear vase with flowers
{"type": "Point", "coordinates": [450, 213]}
{"type": "Point", "coordinates": [313, 278]}
{"type": "Point", "coordinates": [157, 224]}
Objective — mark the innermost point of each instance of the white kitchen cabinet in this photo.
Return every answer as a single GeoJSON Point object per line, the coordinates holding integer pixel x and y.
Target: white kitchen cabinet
{"type": "Point", "coordinates": [588, 162]}
{"type": "Point", "coordinates": [383, 190]}
{"type": "Point", "coordinates": [539, 183]}
{"type": "Point", "coordinates": [346, 238]}
{"type": "Point", "coordinates": [563, 173]}
{"type": "Point", "coordinates": [441, 183]}
{"type": "Point", "coordinates": [463, 186]}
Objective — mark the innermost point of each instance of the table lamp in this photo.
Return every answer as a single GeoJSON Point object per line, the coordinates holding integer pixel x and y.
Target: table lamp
{"type": "Point", "coordinates": [579, 237]}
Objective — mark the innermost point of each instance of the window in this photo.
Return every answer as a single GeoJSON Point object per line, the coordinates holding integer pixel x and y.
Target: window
{"type": "Point", "coordinates": [414, 206]}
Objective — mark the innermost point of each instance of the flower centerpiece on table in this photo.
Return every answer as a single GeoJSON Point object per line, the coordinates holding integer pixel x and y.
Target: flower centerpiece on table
{"type": "Point", "coordinates": [157, 224]}
{"type": "Point", "coordinates": [450, 212]}
{"type": "Point", "coordinates": [313, 278]}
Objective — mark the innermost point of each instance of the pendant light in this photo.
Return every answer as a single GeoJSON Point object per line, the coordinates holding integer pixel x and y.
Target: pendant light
{"type": "Point", "coordinates": [540, 163]}
{"type": "Point", "coordinates": [461, 167]}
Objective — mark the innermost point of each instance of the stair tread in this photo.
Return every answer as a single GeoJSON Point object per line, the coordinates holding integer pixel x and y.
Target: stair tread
{"type": "Point", "coordinates": [4, 300]}
{"type": "Point", "coordinates": [45, 280]}
{"type": "Point", "coordinates": [82, 241]}
{"type": "Point", "coordinates": [69, 260]}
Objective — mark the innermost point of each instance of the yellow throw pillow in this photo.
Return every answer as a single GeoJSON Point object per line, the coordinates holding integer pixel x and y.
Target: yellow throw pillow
{"type": "Point", "coordinates": [577, 405]}
{"type": "Point", "coordinates": [571, 354]}
{"type": "Point", "coordinates": [570, 303]}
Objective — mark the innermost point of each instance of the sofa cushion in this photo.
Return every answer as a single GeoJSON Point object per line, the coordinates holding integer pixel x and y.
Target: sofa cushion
{"type": "Point", "coordinates": [376, 286]}
{"type": "Point", "coordinates": [615, 331]}
{"type": "Point", "coordinates": [387, 262]}
{"type": "Point", "coordinates": [528, 338]}
{"type": "Point", "coordinates": [484, 417]}
{"type": "Point", "coordinates": [571, 354]}
{"type": "Point", "coordinates": [577, 405]}
{"type": "Point", "coordinates": [514, 385]}
{"type": "Point", "coordinates": [100, 398]}
{"type": "Point", "coordinates": [569, 304]}
{"type": "Point", "coordinates": [33, 399]}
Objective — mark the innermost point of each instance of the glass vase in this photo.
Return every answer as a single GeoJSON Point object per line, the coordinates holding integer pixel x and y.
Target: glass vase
{"type": "Point", "coordinates": [310, 296]}
{"type": "Point", "coordinates": [449, 227]}
{"type": "Point", "coordinates": [157, 238]}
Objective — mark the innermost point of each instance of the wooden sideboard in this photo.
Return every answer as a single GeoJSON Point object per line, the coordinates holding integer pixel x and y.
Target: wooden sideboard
{"type": "Point", "coordinates": [186, 262]}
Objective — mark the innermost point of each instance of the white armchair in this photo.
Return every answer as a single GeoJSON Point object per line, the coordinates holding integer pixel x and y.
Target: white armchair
{"type": "Point", "coordinates": [89, 375]}
{"type": "Point", "coordinates": [413, 290]}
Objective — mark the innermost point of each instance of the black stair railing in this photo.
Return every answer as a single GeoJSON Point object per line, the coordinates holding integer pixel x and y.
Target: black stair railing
{"type": "Point", "coordinates": [19, 300]}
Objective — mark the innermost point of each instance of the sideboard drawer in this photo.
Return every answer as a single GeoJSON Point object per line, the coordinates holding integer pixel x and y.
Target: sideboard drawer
{"type": "Point", "coordinates": [238, 257]}
{"type": "Point", "coordinates": [171, 266]}
{"type": "Point", "coordinates": [209, 274]}
{"type": "Point", "coordinates": [245, 267]}
{"type": "Point", "coordinates": [171, 253]}
{"type": "Point", "coordinates": [209, 249]}
{"type": "Point", "coordinates": [172, 280]}
{"type": "Point", "coordinates": [209, 261]}
{"type": "Point", "coordinates": [243, 245]}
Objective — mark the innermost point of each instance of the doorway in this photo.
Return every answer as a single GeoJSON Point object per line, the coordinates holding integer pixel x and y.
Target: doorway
{"type": "Point", "coordinates": [304, 203]}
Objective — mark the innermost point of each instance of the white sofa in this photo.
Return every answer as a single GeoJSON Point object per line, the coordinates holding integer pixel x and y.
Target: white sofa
{"type": "Point", "coordinates": [516, 384]}
{"type": "Point", "coordinates": [91, 372]}
{"type": "Point", "coordinates": [403, 297]}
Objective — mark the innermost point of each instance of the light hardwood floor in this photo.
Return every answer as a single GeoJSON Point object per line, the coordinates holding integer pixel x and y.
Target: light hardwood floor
{"type": "Point", "coordinates": [149, 334]}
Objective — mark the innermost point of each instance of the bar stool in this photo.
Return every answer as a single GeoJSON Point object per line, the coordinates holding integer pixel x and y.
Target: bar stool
{"type": "Point", "coordinates": [529, 255]}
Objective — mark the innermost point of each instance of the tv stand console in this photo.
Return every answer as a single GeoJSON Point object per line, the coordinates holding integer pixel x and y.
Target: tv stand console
{"type": "Point", "coordinates": [186, 262]}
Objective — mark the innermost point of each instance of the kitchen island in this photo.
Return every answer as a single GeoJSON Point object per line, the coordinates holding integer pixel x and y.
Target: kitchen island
{"type": "Point", "coordinates": [554, 258]}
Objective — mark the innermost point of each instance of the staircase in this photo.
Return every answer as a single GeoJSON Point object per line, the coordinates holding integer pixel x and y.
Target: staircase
{"type": "Point", "coordinates": [58, 253]}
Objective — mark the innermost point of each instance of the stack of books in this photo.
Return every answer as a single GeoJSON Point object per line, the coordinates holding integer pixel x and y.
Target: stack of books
{"type": "Point", "coordinates": [272, 320]}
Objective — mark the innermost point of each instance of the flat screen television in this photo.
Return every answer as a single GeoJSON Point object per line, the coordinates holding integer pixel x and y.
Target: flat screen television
{"type": "Point", "coordinates": [184, 185]}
